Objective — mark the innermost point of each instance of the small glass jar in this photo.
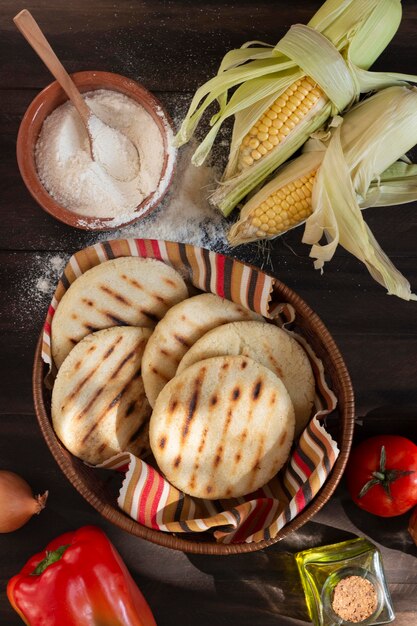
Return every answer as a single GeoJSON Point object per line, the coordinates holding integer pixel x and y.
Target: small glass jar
{"type": "Point", "coordinates": [321, 569]}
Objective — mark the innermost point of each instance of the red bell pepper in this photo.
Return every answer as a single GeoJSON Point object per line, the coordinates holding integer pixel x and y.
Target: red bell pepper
{"type": "Point", "coordinates": [78, 580]}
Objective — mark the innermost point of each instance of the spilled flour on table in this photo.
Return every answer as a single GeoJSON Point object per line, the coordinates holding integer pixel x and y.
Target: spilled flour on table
{"type": "Point", "coordinates": [185, 215]}
{"type": "Point", "coordinates": [51, 270]}
{"type": "Point", "coordinates": [37, 287]}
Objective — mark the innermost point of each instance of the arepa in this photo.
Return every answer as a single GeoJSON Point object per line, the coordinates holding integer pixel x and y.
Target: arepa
{"type": "Point", "coordinates": [269, 345]}
{"type": "Point", "coordinates": [99, 406]}
{"type": "Point", "coordinates": [127, 291]}
{"type": "Point", "coordinates": [222, 428]}
{"type": "Point", "coordinates": [179, 330]}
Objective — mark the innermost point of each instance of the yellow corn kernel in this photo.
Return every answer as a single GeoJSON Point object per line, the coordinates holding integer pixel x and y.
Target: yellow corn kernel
{"type": "Point", "coordinates": [248, 161]}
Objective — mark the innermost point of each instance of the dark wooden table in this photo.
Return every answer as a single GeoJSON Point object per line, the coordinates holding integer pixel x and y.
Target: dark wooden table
{"type": "Point", "coordinates": [171, 47]}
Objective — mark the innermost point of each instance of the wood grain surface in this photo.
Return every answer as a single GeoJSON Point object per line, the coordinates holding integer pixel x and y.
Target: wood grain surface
{"type": "Point", "coordinates": [171, 47]}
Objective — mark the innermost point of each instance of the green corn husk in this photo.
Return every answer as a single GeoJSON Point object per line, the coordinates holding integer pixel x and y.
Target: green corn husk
{"type": "Point", "coordinates": [337, 46]}
{"type": "Point", "coordinates": [359, 164]}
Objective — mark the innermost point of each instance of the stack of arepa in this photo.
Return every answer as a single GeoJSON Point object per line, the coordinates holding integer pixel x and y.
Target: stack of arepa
{"type": "Point", "coordinates": [215, 392]}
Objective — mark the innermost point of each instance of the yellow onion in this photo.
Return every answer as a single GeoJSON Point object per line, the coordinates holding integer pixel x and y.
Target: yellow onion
{"type": "Point", "coordinates": [17, 502]}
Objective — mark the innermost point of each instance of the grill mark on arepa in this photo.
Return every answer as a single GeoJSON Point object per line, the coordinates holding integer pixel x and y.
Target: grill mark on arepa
{"type": "Point", "coordinates": [157, 372]}
{"type": "Point", "coordinates": [90, 404]}
{"type": "Point", "coordinates": [115, 400]}
{"type": "Point", "coordinates": [213, 400]}
{"type": "Point", "coordinates": [91, 328]}
{"type": "Point", "coordinates": [162, 442]}
{"type": "Point", "coordinates": [259, 456]}
{"type": "Point", "coordinates": [182, 340]}
{"type": "Point", "coordinates": [112, 347]}
{"type": "Point", "coordinates": [192, 405]}
{"type": "Point", "coordinates": [236, 393]}
{"type": "Point", "coordinates": [132, 281]}
{"type": "Point", "coordinates": [169, 282]}
{"type": "Point", "coordinates": [177, 461]}
{"type": "Point", "coordinates": [227, 423]}
{"type": "Point", "coordinates": [256, 390]}
{"type": "Point", "coordinates": [123, 363]}
{"type": "Point", "coordinates": [219, 456]}
{"type": "Point", "coordinates": [79, 386]}
{"type": "Point", "coordinates": [87, 301]}
{"type": "Point", "coordinates": [159, 298]}
{"type": "Point", "coordinates": [173, 405]}
{"type": "Point", "coordinates": [203, 441]}
{"type": "Point", "coordinates": [190, 413]}
{"type": "Point", "coordinates": [117, 320]}
{"type": "Point", "coordinates": [275, 363]}
{"type": "Point", "coordinates": [115, 295]}
{"type": "Point", "coordinates": [151, 316]}
{"type": "Point", "coordinates": [138, 432]}
{"type": "Point", "coordinates": [243, 365]}
{"type": "Point", "coordinates": [282, 438]}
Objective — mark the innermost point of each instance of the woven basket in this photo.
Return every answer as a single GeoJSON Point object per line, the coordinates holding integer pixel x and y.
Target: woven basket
{"type": "Point", "coordinates": [93, 487]}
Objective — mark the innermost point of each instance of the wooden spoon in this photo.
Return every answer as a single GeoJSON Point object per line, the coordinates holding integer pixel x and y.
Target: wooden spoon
{"type": "Point", "coordinates": [126, 166]}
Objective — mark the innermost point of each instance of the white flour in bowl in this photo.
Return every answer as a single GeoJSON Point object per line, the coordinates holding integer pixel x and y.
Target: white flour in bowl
{"type": "Point", "coordinates": [78, 183]}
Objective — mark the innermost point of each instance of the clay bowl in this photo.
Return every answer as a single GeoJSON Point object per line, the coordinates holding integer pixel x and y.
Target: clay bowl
{"type": "Point", "coordinates": [53, 96]}
{"type": "Point", "coordinates": [95, 489]}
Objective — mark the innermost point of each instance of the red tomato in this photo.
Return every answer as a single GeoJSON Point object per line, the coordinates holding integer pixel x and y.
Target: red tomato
{"type": "Point", "coordinates": [383, 486]}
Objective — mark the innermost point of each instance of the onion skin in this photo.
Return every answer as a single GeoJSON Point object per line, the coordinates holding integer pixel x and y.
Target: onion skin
{"type": "Point", "coordinates": [17, 502]}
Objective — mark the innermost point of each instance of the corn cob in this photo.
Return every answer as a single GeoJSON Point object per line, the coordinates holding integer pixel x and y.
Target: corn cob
{"type": "Point", "coordinates": [352, 167]}
{"type": "Point", "coordinates": [286, 208]}
{"type": "Point", "coordinates": [277, 122]}
{"type": "Point", "coordinates": [309, 57]}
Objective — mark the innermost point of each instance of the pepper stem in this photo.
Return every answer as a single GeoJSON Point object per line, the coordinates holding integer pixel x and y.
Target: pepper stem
{"type": "Point", "coordinates": [383, 477]}
{"type": "Point", "coordinates": [51, 557]}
